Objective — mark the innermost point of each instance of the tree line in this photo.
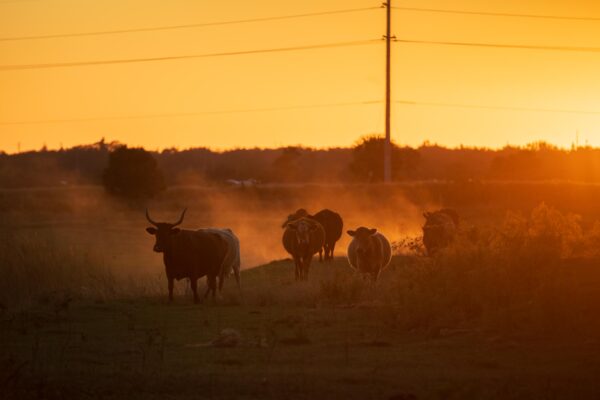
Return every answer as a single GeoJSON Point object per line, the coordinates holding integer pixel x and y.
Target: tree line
{"type": "Point", "coordinates": [91, 164]}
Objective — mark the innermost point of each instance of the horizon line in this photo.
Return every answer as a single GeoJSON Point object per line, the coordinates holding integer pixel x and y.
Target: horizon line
{"type": "Point", "coordinates": [221, 150]}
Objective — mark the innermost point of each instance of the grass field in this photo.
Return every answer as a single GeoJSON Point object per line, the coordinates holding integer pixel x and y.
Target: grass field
{"type": "Point", "coordinates": [511, 311]}
{"type": "Point", "coordinates": [294, 343]}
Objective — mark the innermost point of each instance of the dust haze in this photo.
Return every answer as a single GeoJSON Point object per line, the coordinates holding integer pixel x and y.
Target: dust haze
{"type": "Point", "coordinates": [256, 215]}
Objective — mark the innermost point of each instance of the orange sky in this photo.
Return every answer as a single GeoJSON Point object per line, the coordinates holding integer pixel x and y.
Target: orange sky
{"type": "Point", "coordinates": [423, 73]}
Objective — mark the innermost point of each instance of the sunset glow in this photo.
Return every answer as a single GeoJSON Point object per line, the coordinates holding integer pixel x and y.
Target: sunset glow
{"type": "Point", "coordinates": [311, 97]}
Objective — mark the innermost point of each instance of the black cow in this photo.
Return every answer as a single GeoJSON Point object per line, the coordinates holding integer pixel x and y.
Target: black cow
{"type": "Point", "coordinates": [189, 254]}
{"type": "Point", "coordinates": [333, 224]}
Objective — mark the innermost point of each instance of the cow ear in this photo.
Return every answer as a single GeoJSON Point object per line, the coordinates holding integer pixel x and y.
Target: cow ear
{"type": "Point", "coordinates": [151, 231]}
{"type": "Point", "coordinates": [287, 221]}
{"type": "Point", "coordinates": [372, 231]}
{"type": "Point", "coordinates": [351, 233]}
{"type": "Point", "coordinates": [292, 227]}
{"type": "Point", "coordinates": [175, 231]}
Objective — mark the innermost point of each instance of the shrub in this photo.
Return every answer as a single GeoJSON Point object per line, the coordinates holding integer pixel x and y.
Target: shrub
{"type": "Point", "coordinates": [367, 160]}
{"type": "Point", "coordinates": [529, 274]}
{"type": "Point", "coordinates": [133, 173]}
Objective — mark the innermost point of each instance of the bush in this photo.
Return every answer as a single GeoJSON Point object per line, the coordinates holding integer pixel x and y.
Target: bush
{"type": "Point", "coordinates": [367, 160]}
{"type": "Point", "coordinates": [133, 173]}
{"type": "Point", "coordinates": [531, 274]}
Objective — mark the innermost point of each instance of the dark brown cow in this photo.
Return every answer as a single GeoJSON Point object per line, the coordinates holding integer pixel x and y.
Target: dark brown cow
{"type": "Point", "coordinates": [369, 252]}
{"type": "Point", "coordinates": [303, 238]}
{"type": "Point", "coordinates": [331, 222]}
{"type": "Point", "coordinates": [189, 254]}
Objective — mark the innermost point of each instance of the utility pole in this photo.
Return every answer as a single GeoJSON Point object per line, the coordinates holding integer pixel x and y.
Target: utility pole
{"type": "Point", "coordinates": [387, 148]}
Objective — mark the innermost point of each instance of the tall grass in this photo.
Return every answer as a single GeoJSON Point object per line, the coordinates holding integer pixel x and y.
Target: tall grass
{"type": "Point", "coordinates": [532, 274]}
{"type": "Point", "coordinates": [41, 266]}
{"type": "Point", "coordinates": [538, 272]}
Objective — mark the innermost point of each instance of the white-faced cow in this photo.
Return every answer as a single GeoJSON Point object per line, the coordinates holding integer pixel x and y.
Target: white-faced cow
{"type": "Point", "coordinates": [189, 254]}
{"type": "Point", "coordinates": [331, 222]}
{"type": "Point", "coordinates": [303, 238]}
{"type": "Point", "coordinates": [369, 252]}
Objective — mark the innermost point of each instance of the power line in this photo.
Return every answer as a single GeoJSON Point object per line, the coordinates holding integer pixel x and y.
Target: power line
{"type": "Point", "coordinates": [503, 46]}
{"type": "Point", "coordinates": [300, 107]}
{"type": "Point", "coordinates": [188, 26]}
{"type": "Point", "coordinates": [16, 1]}
{"type": "Point", "coordinates": [191, 114]}
{"type": "Point", "coordinates": [185, 57]}
{"type": "Point", "coordinates": [294, 48]}
{"type": "Point", "coordinates": [494, 14]}
{"type": "Point", "coordinates": [488, 107]}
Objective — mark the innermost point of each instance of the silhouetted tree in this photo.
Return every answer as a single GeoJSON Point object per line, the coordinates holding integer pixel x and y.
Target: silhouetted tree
{"type": "Point", "coordinates": [132, 173]}
{"type": "Point", "coordinates": [367, 160]}
{"type": "Point", "coordinates": [286, 167]}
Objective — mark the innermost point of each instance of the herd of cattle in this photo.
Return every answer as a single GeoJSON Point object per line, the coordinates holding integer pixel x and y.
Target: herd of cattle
{"type": "Point", "coordinates": [215, 253]}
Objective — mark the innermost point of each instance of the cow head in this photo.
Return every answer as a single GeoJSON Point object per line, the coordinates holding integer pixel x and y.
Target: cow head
{"type": "Point", "coordinates": [163, 231]}
{"type": "Point", "coordinates": [364, 245]}
{"type": "Point", "coordinates": [303, 228]}
{"type": "Point", "coordinates": [300, 213]}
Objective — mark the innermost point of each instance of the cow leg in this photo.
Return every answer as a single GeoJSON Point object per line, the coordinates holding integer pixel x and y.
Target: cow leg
{"type": "Point", "coordinates": [321, 254]}
{"type": "Point", "coordinates": [331, 248]}
{"type": "Point", "coordinates": [171, 284]}
{"type": "Point", "coordinates": [221, 280]}
{"type": "Point", "coordinates": [207, 288]}
{"type": "Point", "coordinates": [212, 285]}
{"type": "Point", "coordinates": [194, 285]}
{"type": "Point", "coordinates": [306, 263]}
{"type": "Point", "coordinates": [374, 276]}
{"type": "Point", "coordinates": [298, 269]}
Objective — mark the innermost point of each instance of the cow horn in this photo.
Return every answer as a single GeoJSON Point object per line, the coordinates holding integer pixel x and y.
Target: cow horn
{"type": "Point", "coordinates": [180, 218]}
{"type": "Point", "coordinates": [150, 219]}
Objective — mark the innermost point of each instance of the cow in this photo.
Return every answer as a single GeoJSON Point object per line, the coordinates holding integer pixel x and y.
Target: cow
{"type": "Point", "coordinates": [439, 229]}
{"type": "Point", "coordinates": [300, 213]}
{"type": "Point", "coordinates": [303, 238]}
{"type": "Point", "coordinates": [369, 252]}
{"type": "Point", "coordinates": [231, 263]}
{"type": "Point", "coordinates": [189, 254]}
{"type": "Point", "coordinates": [331, 222]}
